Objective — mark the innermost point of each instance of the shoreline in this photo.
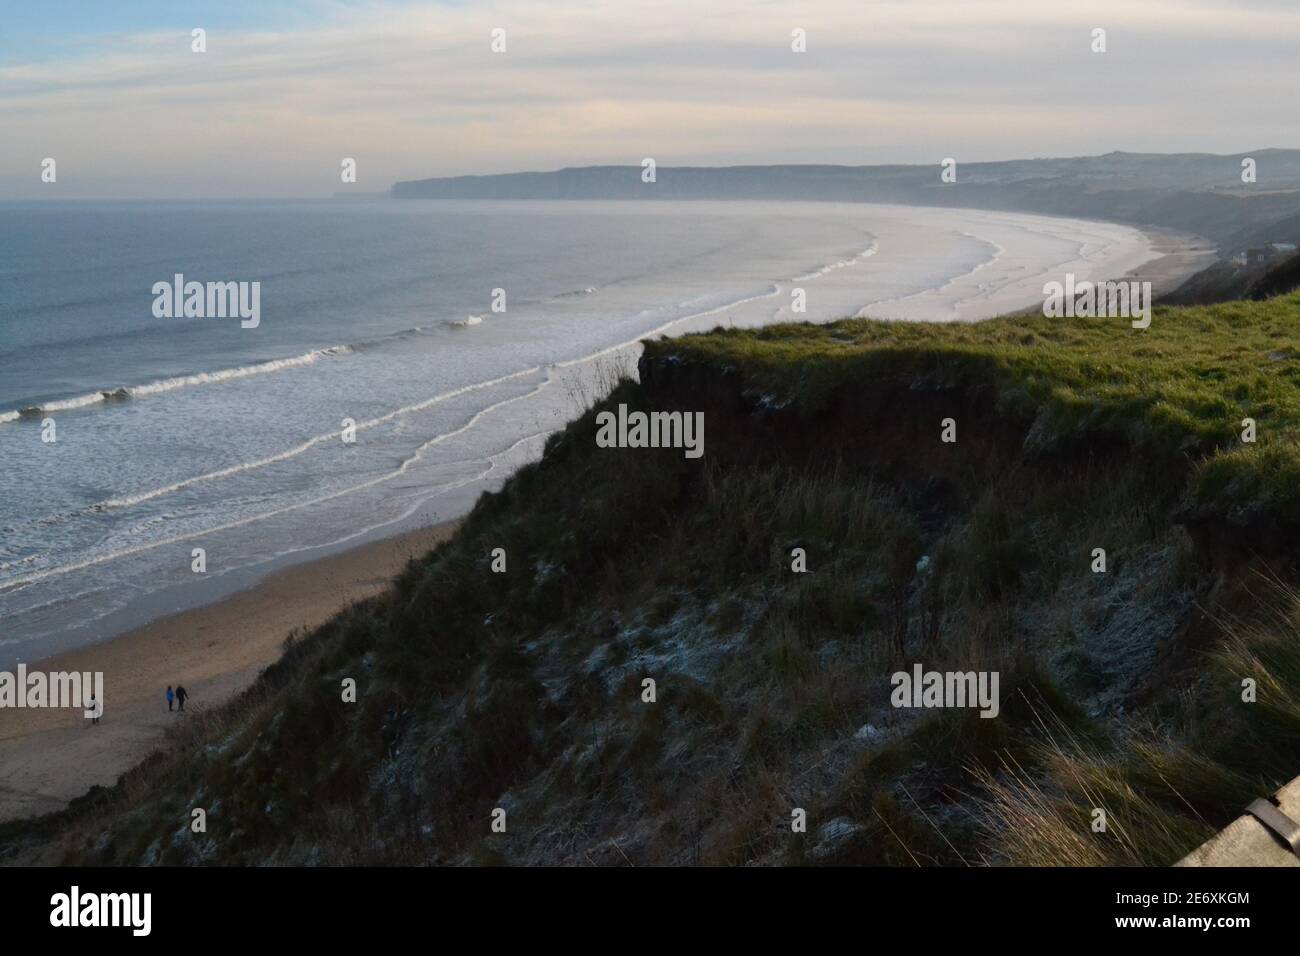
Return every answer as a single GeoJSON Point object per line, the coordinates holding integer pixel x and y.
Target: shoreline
{"type": "Point", "coordinates": [1182, 255]}
{"type": "Point", "coordinates": [50, 756]}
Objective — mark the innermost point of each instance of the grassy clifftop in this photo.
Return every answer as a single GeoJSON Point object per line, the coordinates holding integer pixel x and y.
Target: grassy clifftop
{"type": "Point", "coordinates": [1180, 388]}
{"type": "Point", "coordinates": [524, 691]}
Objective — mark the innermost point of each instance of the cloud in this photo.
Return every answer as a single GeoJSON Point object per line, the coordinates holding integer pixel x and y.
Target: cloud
{"type": "Point", "coordinates": [413, 91]}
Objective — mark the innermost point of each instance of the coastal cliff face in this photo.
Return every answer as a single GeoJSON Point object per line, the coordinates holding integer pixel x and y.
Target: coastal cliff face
{"type": "Point", "coordinates": [872, 497]}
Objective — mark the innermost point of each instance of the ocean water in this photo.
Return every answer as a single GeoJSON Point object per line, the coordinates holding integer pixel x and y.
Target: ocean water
{"type": "Point", "coordinates": [179, 433]}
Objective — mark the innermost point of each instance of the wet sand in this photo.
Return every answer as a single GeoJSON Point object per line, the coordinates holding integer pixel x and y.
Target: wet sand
{"type": "Point", "coordinates": [1183, 255]}
{"type": "Point", "coordinates": [49, 756]}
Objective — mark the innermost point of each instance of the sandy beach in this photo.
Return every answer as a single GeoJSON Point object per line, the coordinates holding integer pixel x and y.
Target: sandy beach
{"type": "Point", "coordinates": [1182, 256]}
{"type": "Point", "coordinates": [49, 756]}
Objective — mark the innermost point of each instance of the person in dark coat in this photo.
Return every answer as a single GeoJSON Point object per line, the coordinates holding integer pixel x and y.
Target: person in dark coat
{"type": "Point", "coordinates": [181, 694]}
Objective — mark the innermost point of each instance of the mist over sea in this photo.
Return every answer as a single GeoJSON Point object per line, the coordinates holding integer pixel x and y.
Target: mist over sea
{"type": "Point", "coordinates": [180, 433]}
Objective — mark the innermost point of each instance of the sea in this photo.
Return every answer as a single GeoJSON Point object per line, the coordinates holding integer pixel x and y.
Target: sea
{"type": "Point", "coordinates": [407, 356]}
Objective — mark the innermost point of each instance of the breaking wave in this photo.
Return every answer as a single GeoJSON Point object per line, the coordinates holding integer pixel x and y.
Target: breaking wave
{"type": "Point", "coordinates": [842, 264]}
{"type": "Point", "coordinates": [171, 384]}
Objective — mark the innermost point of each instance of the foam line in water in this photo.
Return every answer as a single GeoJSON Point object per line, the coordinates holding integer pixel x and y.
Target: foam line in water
{"type": "Point", "coordinates": [842, 264]}
{"type": "Point", "coordinates": [171, 384]}
{"type": "Point", "coordinates": [127, 501]}
{"type": "Point", "coordinates": [352, 489]}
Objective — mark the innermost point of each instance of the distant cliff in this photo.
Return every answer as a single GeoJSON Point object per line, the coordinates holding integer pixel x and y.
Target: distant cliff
{"type": "Point", "coordinates": [1196, 192]}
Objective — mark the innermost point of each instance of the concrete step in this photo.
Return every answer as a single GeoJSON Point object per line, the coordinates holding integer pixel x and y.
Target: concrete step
{"type": "Point", "coordinates": [1247, 842]}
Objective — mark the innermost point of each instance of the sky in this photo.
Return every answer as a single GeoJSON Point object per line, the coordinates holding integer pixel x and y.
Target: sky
{"type": "Point", "coordinates": [114, 93]}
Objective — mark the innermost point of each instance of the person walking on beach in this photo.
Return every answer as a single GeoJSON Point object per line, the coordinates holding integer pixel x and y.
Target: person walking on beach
{"type": "Point", "coordinates": [170, 696]}
{"type": "Point", "coordinates": [94, 710]}
{"type": "Point", "coordinates": [180, 698]}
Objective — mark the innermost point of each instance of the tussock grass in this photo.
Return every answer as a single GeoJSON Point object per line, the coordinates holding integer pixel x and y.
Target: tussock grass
{"type": "Point", "coordinates": [1163, 794]}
